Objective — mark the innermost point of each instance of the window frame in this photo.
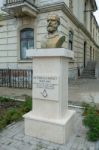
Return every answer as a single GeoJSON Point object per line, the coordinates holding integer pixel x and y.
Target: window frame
{"type": "Point", "coordinates": [70, 40]}
{"type": "Point", "coordinates": [26, 39]}
{"type": "Point", "coordinates": [32, 25]}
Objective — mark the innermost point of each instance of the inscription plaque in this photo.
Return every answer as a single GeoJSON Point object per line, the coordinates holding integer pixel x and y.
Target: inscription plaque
{"type": "Point", "coordinates": [45, 87]}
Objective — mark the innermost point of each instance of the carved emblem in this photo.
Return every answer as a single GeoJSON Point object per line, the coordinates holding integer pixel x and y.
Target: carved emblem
{"type": "Point", "coordinates": [44, 93]}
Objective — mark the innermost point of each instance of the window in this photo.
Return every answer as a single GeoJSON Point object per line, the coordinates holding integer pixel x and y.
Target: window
{"type": "Point", "coordinates": [93, 54]}
{"type": "Point", "coordinates": [90, 53]}
{"type": "Point", "coordinates": [70, 45]}
{"type": "Point", "coordinates": [91, 22]}
{"type": "Point", "coordinates": [85, 13]}
{"type": "Point", "coordinates": [71, 5]}
{"type": "Point", "coordinates": [26, 41]}
{"type": "Point", "coordinates": [93, 32]}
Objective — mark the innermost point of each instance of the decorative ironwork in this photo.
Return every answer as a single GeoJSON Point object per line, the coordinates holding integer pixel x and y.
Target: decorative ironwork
{"type": "Point", "coordinates": [11, 2]}
{"type": "Point", "coordinates": [16, 78]}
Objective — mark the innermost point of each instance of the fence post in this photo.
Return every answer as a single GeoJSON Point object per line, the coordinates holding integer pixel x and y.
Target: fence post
{"type": "Point", "coordinates": [9, 74]}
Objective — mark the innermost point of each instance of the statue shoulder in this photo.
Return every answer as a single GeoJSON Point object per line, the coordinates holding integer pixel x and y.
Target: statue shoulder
{"type": "Point", "coordinates": [61, 40]}
{"type": "Point", "coordinates": [61, 36]}
{"type": "Point", "coordinates": [43, 42]}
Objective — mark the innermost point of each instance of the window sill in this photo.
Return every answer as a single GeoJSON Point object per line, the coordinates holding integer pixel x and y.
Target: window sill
{"type": "Point", "coordinates": [72, 61]}
{"type": "Point", "coordinates": [25, 61]}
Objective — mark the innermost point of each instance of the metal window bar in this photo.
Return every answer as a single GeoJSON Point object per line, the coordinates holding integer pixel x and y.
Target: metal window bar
{"type": "Point", "coordinates": [16, 78]}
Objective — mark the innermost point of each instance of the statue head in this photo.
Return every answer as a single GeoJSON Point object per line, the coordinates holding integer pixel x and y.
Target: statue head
{"type": "Point", "coordinates": [54, 39]}
{"type": "Point", "coordinates": [53, 21]}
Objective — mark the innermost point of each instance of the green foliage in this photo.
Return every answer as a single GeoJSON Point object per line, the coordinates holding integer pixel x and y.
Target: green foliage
{"type": "Point", "coordinates": [91, 120]}
{"type": "Point", "coordinates": [27, 105]}
{"type": "Point", "coordinates": [2, 122]}
{"type": "Point", "coordinates": [4, 99]}
{"type": "Point", "coordinates": [14, 114]}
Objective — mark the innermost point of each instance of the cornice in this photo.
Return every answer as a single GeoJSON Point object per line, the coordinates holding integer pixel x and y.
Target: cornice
{"type": "Point", "coordinates": [62, 6]}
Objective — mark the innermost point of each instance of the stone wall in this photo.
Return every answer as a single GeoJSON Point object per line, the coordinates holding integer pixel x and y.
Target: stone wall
{"type": "Point", "coordinates": [78, 40]}
{"type": "Point", "coordinates": [10, 39]}
{"type": "Point", "coordinates": [47, 2]}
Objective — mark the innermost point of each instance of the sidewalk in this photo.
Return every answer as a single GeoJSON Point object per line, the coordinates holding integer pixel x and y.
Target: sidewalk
{"type": "Point", "coordinates": [15, 92]}
{"type": "Point", "coordinates": [84, 90]}
{"type": "Point", "coordinates": [13, 138]}
{"type": "Point", "coordinates": [79, 91]}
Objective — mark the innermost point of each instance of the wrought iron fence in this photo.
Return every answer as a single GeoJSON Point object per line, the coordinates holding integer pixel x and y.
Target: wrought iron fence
{"type": "Point", "coordinates": [16, 78]}
{"type": "Point", "coordinates": [10, 2]}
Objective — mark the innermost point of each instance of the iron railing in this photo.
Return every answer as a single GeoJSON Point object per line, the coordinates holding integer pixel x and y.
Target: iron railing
{"type": "Point", "coordinates": [16, 78]}
{"type": "Point", "coordinates": [12, 2]}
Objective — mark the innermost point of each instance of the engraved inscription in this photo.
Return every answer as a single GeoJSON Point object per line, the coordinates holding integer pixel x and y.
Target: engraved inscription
{"type": "Point", "coordinates": [45, 82]}
{"type": "Point", "coordinates": [45, 87]}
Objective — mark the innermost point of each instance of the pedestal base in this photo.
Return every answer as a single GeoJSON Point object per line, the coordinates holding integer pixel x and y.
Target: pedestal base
{"type": "Point", "coordinates": [58, 131]}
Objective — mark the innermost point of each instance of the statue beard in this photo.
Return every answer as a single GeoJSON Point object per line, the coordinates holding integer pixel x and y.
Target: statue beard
{"type": "Point", "coordinates": [51, 29]}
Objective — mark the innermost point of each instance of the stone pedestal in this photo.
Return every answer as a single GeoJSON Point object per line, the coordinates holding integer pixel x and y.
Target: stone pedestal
{"type": "Point", "coordinates": [50, 118]}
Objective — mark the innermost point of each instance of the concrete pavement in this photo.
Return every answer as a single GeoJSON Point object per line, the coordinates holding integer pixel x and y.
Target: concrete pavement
{"type": "Point", "coordinates": [13, 138]}
{"type": "Point", "coordinates": [84, 90]}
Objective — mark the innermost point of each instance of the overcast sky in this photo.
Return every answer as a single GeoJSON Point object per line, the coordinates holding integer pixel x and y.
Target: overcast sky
{"type": "Point", "coordinates": [96, 13]}
{"type": "Point", "coordinates": [1, 2]}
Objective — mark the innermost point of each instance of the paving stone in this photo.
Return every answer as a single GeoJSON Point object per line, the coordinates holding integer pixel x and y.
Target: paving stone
{"type": "Point", "coordinates": [16, 144]}
{"type": "Point", "coordinates": [10, 148]}
{"type": "Point", "coordinates": [51, 147]}
{"type": "Point", "coordinates": [23, 146]}
{"type": "Point", "coordinates": [97, 145]}
{"type": "Point", "coordinates": [27, 139]}
{"type": "Point", "coordinates": [76, 143]}
{"type": "Point", "coordinates": [5, 141]}
{"type": "Point", "coordinates": [44, 149]}
{"type": "Point", "coordinates": [2, 148]}
{"type": "Point", "coordinates": [18, 136]}
{"type": "Point", "coordinates": [81, 144]}
{"type": "Point", "coordinates": [13, 138]}
{"type": "Point", "coordinates": [33, 147]}
{"type": "Point", "coordinates": [92, 146]}
{"type": "Point", "coordinates": [33, 142]}
{"type": "Point", "coordinates": [41, 145]}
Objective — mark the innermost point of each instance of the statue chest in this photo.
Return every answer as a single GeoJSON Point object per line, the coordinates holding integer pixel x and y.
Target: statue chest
{"type": "Point", "coordinates": [52, 42]}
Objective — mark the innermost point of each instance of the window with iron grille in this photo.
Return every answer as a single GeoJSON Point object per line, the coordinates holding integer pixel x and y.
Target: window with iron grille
{"type": "Point", "coordinates": [70, 44]}
{"type": "Point", "coordinates": [26, 41]}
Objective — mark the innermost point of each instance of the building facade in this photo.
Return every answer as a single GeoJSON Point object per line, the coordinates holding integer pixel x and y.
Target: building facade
{"type": "Point", "coordinates": [24, 26]}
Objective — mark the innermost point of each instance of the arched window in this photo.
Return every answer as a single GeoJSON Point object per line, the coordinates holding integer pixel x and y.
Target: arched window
{"type": "Point", "coordinates": [26, 41]}
{"type": "Point", "coordinates": [70, 44]}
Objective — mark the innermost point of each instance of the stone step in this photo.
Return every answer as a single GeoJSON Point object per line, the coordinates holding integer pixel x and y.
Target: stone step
{"type": "Point", "coordinates": [88, 74]}
{"type": "Point", "coordinates": [89, 71]}
{"type": "Point", "coordinates": [87, 77]}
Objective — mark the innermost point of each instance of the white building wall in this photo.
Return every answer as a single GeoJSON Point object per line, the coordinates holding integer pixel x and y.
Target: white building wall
{"type": "Point", "coordinates": [47, 2]}
{"type": "Point", "coordinates": [8, 46]}
{"type": "Point", "coordinates": [78, 41]}
{"type": "Point", "coordinates": [9, 36]}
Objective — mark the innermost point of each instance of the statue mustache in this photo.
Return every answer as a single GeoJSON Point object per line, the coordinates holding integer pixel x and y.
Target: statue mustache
{"type": "Point", "coordinates": [49, 25]}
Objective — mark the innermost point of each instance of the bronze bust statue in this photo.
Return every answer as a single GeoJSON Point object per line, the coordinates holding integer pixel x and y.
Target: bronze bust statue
{"type": "Point", "coordinates": [54, 39]}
